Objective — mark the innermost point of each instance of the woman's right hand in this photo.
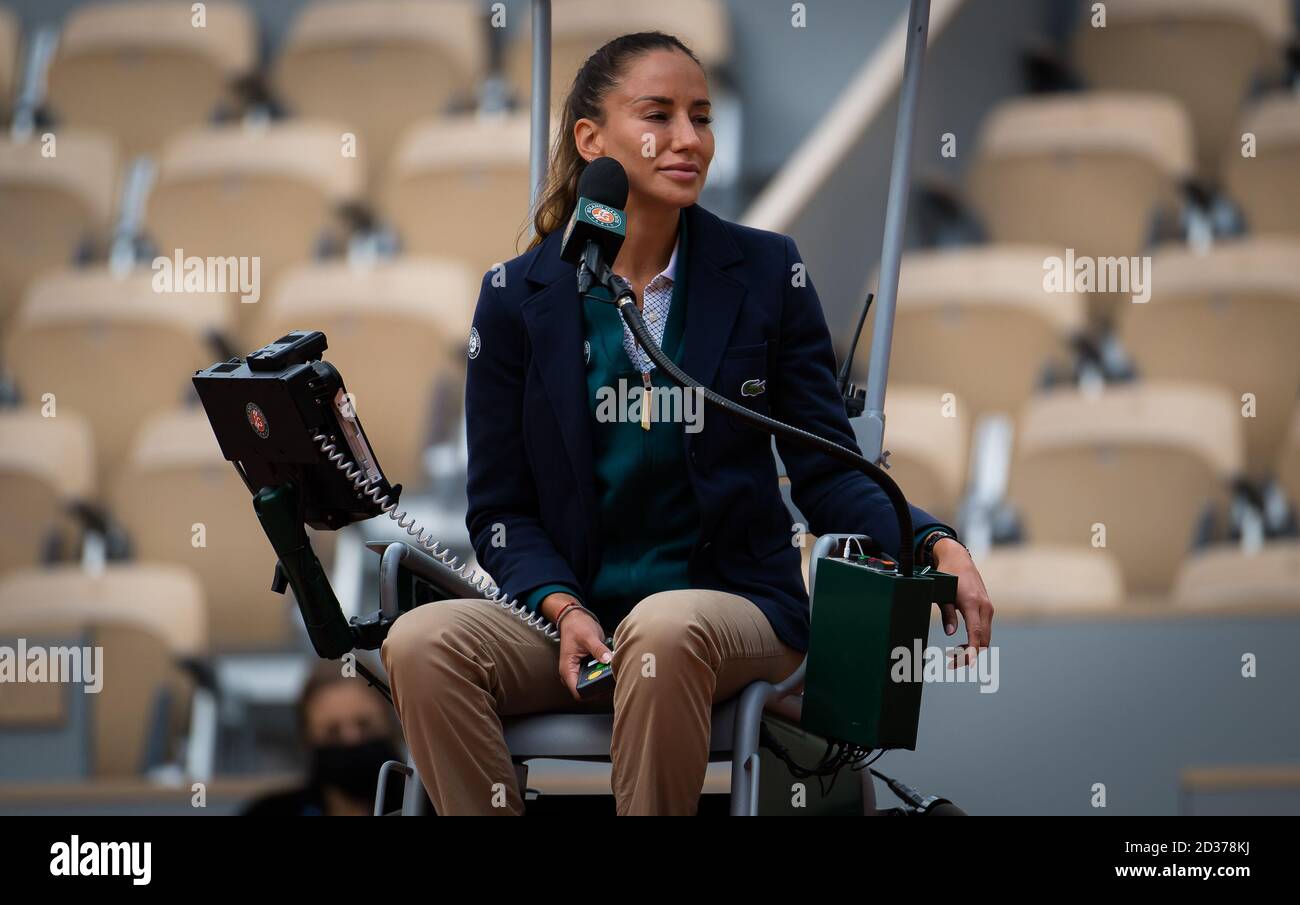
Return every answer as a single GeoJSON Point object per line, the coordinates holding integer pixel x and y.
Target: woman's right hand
{"type": "Point", "coordinates": [581, 639]}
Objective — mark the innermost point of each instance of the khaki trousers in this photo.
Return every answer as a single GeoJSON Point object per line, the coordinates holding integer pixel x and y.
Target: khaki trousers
{"type": "Point", "coordinates": [458, 666]}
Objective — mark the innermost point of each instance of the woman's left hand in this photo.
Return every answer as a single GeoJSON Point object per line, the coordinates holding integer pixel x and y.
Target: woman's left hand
{"type": "Point", "coordinates": [972, 599]}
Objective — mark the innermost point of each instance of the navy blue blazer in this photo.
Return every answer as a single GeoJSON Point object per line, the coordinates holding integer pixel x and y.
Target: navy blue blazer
{"type": "Point", "coordinates": [532, 499]}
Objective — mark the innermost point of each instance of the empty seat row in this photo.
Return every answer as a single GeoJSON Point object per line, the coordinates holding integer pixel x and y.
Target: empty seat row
{"type": "Point", "coordinates": [380, 68]}
{"type": "Point", "coordinates": [276, 192]}
{"type": "Point", "coordinates": [180, 503]}
{"type": "Point", "coordinates": [115, 351]}
{"type": "Point", "coordinates": [458, 188]}
{"type": "Point", "coordinates": [1109, 488]}
{"type": "Point", "coordinates": [1131, 469]}
{"type": "Point", "coordinates": [1083, 171]}
{"type": "Point", "coordinates": [147, 622]}
{"type": "Point", "coordinates": [982, 324]}
{"type": "Point", "coordinates": [1093, 171]}
{"type": "Point", "coordinates": [579, 27]}
{"type": "Point", "coordinates": [1054, 579]}
{"type": "Point", "coordinates": [111, 350]}
{"type": "Point", "coordinates": [1208, 55]}
{"type": "Point", "coordinates": [1124, 474]}
{"type": "Point", "coordinates": [146, 625]}
{"type": "Point", "coordinates": [1229, 317]}
{"type": "Point", "coordinates": [143, 70]}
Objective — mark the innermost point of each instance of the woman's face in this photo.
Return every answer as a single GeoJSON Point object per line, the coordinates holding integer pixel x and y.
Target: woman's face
{"type": "Point", "coordinates": [657, 125]}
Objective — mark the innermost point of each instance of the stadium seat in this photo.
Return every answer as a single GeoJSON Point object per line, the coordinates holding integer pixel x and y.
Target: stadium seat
{"type": "Point", "coordinates": [1229, 577]}
{"type": "Point", "coordinates": [182, 503]}
{"type": "Point", "coordinates": [394, 328]}
{"type": "Point", "coordinates": [142, 70]}
{"type": "Point", "coordinates": [976, 322]}
{"type": "Point", "coordinates": [1046, 579]}
{"type": "Point", "coordinates": [1265, 186]}
{"type": "Point", "coordinates": [580, 27]}
{"type": "Point", "coordinates": [57, 197]}
{"type": "Point", "coordinates": [111, 349]}
{"type": "Point", "coordinates": [927, 444]}
{"type": "Point", "coordinates": [146, 619]}
{"type": "Point", "coordinates": [1139, 461]}
{"type": "Point", "coordinates": [1085, 171]}
{"type": "Point", "coordinates": [45, 464]}
{"type": "Point", "coordinates": [1207, 54]}
{"type": "Point", "coordinates": [458, 187]}
{"type": "Point", "coordinates": [270, 192]}
{"type": "Point", "coordinates": [9, 31]}
{"type": "Point", "coordinates": [1231, 317]}
{"type": "Point", "coordinates": [378, 65]}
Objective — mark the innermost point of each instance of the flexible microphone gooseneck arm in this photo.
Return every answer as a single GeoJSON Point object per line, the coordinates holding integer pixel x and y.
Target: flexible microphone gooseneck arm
{"type": "Point", "coordinates": [625, 300]}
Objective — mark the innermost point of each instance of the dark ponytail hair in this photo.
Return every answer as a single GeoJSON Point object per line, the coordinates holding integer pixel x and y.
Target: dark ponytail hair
{"type": "Point", "coordinates": [586, 98]}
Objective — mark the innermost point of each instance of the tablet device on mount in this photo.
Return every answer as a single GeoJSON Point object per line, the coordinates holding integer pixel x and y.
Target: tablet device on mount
{"type": "Point", "coordinates": [285, 420]}
{"type": "Point", "coordinates": [265, 412]}
{"type": "Point", "coordinates": [273, 414]}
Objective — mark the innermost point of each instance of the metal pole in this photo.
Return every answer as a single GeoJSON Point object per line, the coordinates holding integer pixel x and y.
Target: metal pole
{"type": "Point", "coordinates": [873, 431]}
{"type": "Point", "coordinates": [540, 133]}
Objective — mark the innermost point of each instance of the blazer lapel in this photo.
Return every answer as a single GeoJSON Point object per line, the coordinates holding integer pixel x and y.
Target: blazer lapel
{"type": "Point", "coordinates": [715, 296]}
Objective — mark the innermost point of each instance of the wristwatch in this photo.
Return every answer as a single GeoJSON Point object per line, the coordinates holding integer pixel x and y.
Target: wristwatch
{"type": "Point", "coordinates": [927, 547]}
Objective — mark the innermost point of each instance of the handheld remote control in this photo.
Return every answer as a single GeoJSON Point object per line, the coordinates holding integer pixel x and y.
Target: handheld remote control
{"type": "Point", "coordinates": [596, 679]}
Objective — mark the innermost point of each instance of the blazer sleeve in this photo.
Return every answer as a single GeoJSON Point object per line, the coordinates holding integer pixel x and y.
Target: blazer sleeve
{"type": "Point", "coordinates": [834, 497]}
{"type": "Point", "coordinates": [503, 515]}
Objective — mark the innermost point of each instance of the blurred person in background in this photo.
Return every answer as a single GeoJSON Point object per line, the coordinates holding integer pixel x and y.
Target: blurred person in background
{"type": "Point", "coordinates": [348, 731]}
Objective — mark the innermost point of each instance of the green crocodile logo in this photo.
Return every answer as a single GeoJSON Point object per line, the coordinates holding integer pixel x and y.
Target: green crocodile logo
{"type": "Point", "coordinates": [753, 387]}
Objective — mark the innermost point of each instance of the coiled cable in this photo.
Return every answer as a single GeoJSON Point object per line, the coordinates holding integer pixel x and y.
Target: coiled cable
{"type": "Point", "coordinates": [444, 556]}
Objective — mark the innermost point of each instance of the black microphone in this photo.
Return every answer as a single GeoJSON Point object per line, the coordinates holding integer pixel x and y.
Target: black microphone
{"type": "Point", "coordinates": [598, 216]}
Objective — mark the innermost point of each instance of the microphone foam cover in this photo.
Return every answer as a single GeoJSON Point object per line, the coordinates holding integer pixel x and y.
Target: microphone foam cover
{"type": "Point", "coordinates": [604, 180]}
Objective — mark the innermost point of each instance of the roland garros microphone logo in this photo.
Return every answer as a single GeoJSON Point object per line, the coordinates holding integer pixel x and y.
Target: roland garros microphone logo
{"type": "Point", "coordinates": [601, 214]}
{"type": "Point", "coordinates": [257, 420]}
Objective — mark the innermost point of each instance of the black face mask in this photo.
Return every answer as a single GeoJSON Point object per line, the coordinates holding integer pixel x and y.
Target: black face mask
{"type": "Point", "coordinates": [352, 769]}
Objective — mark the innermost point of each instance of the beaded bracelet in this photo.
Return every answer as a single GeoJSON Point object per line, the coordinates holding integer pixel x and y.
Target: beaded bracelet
{"type": "Point", "coordinates": [575, 606]}
{"type": "Point", "coordinates": [565, 609]}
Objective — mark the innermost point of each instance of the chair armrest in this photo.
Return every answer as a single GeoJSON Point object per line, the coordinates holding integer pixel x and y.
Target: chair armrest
{"type": "Point", "coordinates": [399, 555]}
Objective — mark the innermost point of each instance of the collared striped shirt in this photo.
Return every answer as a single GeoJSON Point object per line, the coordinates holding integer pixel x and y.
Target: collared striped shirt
{"type": "Point", "coordinates": [656, 300]}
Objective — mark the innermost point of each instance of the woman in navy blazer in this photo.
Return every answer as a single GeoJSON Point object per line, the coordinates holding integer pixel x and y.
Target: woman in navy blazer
{"type": "Point", "coordinates": [675, 539]}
